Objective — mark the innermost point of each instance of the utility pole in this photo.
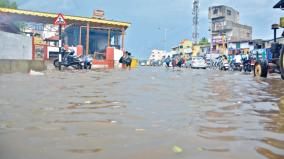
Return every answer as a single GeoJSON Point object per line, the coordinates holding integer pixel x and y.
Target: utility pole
{"type": "Point", "coordinates": [195, 21]}
{"type": "Point", "coordinates": [165, 39]}
{"type": "Point", "coordinates": [60, 46]}
{"type": "Point", "coordinates": [60, 21]}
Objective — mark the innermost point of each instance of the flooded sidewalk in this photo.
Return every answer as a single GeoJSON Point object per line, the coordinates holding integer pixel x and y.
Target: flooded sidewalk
{"type": "Point", "coordinates": [141, 113]}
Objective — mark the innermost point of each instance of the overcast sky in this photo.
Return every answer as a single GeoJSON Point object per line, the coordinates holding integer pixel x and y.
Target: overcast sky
{"type": "Point", "coordinates": [150, 18]}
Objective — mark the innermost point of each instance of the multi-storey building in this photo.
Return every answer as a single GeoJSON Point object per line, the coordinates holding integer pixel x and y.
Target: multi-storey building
{"type": "Point", "coordinates": [226, 27]}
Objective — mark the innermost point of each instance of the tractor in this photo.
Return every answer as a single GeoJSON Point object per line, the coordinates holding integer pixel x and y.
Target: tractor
{"type": "Point", "coordinates": [274, 62]}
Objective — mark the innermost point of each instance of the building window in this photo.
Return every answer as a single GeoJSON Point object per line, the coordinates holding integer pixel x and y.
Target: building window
{"type": "Point", "coordinates": [115, 38]}
{"type": "Point", "coordinates": [229, 12]}
{"type": "Point", "coordinates": [248, 34]}
{"type": "Point", "coordinates": [215, 11]}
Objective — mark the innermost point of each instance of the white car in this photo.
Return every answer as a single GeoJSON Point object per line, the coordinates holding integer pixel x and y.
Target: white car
{"type": "Point", "coordinates": [198, 62]}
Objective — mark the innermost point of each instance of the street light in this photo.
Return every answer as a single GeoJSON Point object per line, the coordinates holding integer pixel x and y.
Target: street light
{"type": "Point", "coordinates": [165, 37]}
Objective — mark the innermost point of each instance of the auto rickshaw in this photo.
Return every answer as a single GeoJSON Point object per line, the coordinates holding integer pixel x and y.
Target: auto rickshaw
{"type": "Point", "coordinates": [277, 61]}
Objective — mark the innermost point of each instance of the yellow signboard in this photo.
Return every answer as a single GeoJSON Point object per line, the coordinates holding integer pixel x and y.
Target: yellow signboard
{"type": "Point", "coordinates": [134, 63]}
{"type": "Point", "coordinates": [282, 22]}
{"type": "Point", "coordinates": [38, 41]}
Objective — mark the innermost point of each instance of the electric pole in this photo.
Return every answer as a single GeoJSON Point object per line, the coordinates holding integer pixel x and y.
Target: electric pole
{"type": "Point", "coordinates": [195, 13]}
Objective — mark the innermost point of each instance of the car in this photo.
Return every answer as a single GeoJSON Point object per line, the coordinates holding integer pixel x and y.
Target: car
{"type": "Point", "coordinates": [198, 62]}
{"type": "Point", "coordinates": [142, 64]}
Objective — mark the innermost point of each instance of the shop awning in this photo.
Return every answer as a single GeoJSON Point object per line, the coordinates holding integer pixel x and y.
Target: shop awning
{"type": "Point", "coordinates": [43, 17]}
{"type": "Point", "coordinates": [280, 4]}
{"type": "Point", "coordinates": [53, 38]}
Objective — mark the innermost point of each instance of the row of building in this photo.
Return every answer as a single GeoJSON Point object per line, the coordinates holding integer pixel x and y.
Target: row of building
{"type": "Point", "coordinates": [186, 47]}
{"type": "Point", "coordinates": [227, 36]}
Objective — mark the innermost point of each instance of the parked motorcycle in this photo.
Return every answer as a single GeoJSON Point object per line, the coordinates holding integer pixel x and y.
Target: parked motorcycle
{"type": "Point", "coordinates": [236, 66]}
{"type": "Point", "coordinates": [69, 59]}
{"type": "Point", "coordinates": [216, 63]}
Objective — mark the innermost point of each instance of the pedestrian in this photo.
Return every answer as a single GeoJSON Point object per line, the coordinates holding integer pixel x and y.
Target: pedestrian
{"type": "Point", "coordinates": [167, 61]}
{"type": "Point", "coordinates": [174, 62]}
{"type": "Point", "coordinates": [122, 59]}
{"type": "Point", "coordinates": [128, 60]}
{"type": "Point", "coordinates": [179, 61]}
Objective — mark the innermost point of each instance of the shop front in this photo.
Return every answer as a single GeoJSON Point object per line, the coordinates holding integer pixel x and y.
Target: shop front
{"type": "Point", "coordinates": [104, 44]}
{"type": "Point", "coordinates": [100, 38]}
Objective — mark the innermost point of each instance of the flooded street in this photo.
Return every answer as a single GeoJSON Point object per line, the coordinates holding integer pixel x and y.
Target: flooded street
{"type": "Point", "coordinates": [141, 113]}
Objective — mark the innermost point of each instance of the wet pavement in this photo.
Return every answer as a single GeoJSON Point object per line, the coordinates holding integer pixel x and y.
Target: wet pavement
{"type": "Point", "coordinates": [141, 113]}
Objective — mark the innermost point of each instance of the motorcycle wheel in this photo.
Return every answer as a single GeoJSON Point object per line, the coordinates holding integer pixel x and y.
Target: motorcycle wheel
{"type": "Point", "coordinates": [79, 66]}
{"type": "Point", "coordinates": [56, 63]}
{"type": "Point", "coordinates": [261, 69]}
{"type": "Point", "coordinates": [282, 63]}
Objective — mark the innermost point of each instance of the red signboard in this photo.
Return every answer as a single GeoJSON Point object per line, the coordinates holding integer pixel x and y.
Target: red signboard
{"type": "Point", "coordinates": [60, 20]}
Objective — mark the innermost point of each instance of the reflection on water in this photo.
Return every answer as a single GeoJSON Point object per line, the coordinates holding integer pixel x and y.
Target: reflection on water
{"type": "Point", "coordinates": [141, 113]}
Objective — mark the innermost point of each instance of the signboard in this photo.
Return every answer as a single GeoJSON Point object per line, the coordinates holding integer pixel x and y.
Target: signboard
{"type": "Point", "coordinates": [38, 41]}
{"type": "Point", "coordinates": [30, 26]}
{"type": "Point", "coordinates": [217, 40]}
{"type": "Point", "coordinates": [98, 14]}
{"type": "Point", "coordinates": [282, 22]}
{"type": "Point", "coordinates": [60, 20]}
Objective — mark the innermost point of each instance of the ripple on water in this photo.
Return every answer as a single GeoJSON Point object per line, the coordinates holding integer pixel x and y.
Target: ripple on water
{"type": "Point", "coordinates": [268, 153]}
{"type": "Point", "coordinates": [216, 149]}
{"type": "Point", "coordinates": [274, 142]}
{"type": "Point", "coordinates": [85, 150]}
{"type": "Point", "coordinates": [207, 129]}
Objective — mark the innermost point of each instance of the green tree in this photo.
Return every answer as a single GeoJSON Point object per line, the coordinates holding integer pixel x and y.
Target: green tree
{"type": "Point", "coordinates": [204, 41]}
{"type": "Point", "coordinates": [8, 4]}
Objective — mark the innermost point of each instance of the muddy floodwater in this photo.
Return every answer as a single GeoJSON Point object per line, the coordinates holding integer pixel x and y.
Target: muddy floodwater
{"type": "Point", "coordinates": [141, 114]}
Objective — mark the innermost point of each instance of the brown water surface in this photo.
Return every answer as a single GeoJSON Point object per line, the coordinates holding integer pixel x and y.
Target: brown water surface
{"type": "Point", "coordinates": [141, 113]}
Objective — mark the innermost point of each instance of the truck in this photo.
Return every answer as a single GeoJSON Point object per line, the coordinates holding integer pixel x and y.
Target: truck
{"type": "Point", "coordinates": [275, 61]}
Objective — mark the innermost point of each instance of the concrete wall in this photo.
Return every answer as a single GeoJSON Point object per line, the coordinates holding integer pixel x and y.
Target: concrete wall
{"type": "Point", "coordinates": [15, 46]}
{"type": "Point", "coordinates": [222, 12]}
{"type": "Point", "coordinates": [241, 32]}
{"type": "Point", "coordinates": [24, 66]}
{"type": "Point", "coordinates": [222, 22]}
{"type": "Point", "coordinates": [117, 55]}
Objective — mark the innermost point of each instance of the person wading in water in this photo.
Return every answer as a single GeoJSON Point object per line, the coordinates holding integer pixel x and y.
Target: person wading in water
{"type": "Point", "coordinates": [126, 59]}
{"type": "Point", "coordinates": [168, 61]}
